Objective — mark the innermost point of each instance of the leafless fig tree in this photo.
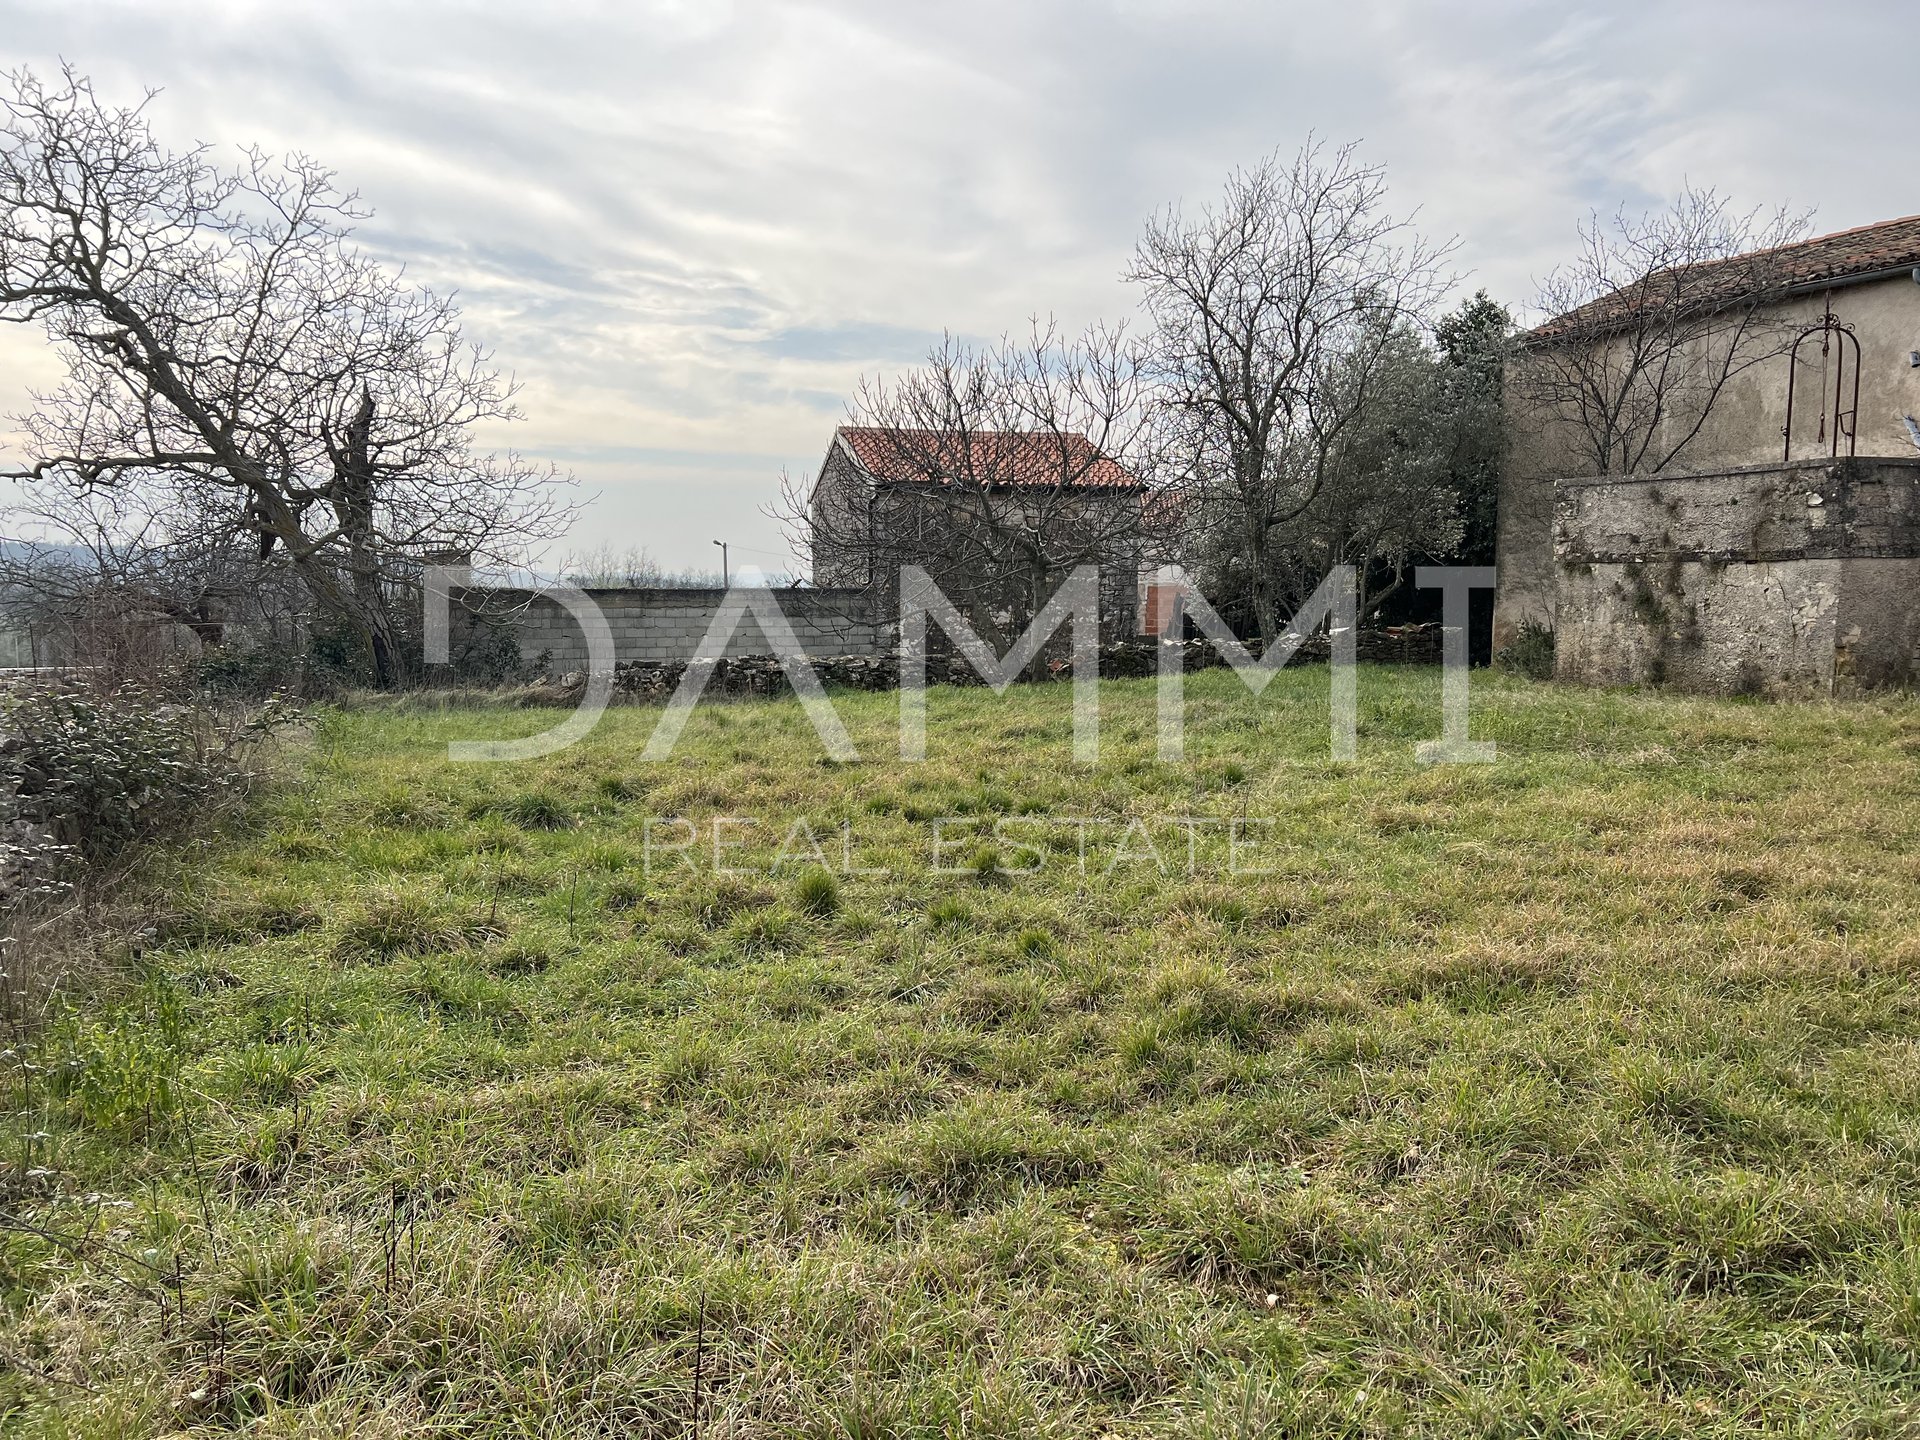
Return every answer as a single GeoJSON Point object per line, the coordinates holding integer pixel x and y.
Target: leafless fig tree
{"type": "Point", "coordinates": [255, 386]}
{"type": "Point", "coordinates": [1651, 321]}
{"type": "Point", "coordinates": [1273, 312]}
{"type": "Point", "coordinates": [998, 470]}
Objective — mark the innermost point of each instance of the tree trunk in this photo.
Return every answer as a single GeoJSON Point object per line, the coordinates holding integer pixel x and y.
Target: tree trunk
{"type": "Point", "coordinates": [1038, 592]}
{"type": "Point", "coordinates": [355, 490]}
{"type": "Point", "coordinates": [1266, 608]}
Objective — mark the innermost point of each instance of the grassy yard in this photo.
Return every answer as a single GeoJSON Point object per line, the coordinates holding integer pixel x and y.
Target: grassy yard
{"type": "Point", "coordinates": [1574, 1094]}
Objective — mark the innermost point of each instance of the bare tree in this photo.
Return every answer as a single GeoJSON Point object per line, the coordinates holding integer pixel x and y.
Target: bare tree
{"type": "Point", "coordinates": [106, 561]}
{"type": "Point", "coordinates": [634, 568]}
{"type": "Point", "coordinates": [1272, 312]}
{"type": "Point", "coordinates": [996, 469]}
{"type": "Point", "coordinates": [233, 358]}
{"type": "Point", "coordinates": [1651, 321]}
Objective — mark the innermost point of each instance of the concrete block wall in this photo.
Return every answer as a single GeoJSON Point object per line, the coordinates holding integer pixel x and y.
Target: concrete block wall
{"type": "Point", "coordinates": [654, 626]}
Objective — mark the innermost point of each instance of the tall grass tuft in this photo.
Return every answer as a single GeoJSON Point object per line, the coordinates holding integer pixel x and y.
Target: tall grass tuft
{"type": "Point", "coordinates": [817, 892]}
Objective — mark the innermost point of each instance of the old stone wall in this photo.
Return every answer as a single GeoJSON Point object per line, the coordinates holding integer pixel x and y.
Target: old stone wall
{"type": "Point", "coordinates": [657, 631]}
{"type": "Point", "coordinates": [1754, 578]}
{"type": "Point", "coordinates": [1135, 658]}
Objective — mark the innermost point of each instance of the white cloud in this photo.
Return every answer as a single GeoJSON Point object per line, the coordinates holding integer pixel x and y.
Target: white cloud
{"type": "Point", "coordinates": [689, 225]}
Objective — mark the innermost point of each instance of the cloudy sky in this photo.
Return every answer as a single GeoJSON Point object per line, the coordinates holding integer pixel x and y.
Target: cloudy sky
{"type": "Point", "coordinates": [688, 226]}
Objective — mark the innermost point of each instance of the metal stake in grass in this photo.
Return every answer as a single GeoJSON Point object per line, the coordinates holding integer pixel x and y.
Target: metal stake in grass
{"type": "Point", "coordinates": [699, 1363]}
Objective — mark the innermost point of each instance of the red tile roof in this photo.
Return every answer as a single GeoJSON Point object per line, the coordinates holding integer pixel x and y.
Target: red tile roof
{"type": "Point", "coordinates": [1842, 256]}
{"type": "Point", "coordinates": [982, 457]}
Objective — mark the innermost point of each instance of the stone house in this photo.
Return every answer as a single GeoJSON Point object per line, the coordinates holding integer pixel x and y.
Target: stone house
{"type": "Point", "coordinates": [995, 517]}
{"type": "Point", "coordinates": [1779, 549]}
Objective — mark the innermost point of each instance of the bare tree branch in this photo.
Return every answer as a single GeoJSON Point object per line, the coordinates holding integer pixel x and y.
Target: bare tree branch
{"type": "Point", "coordinates": [998, 470]}
{"type": "Point", "coordinates": [1271, 315]}
{"type": "Point", "coordinates": [232, 357]}
{"type": "Point", "coordinates": [1651, 321]}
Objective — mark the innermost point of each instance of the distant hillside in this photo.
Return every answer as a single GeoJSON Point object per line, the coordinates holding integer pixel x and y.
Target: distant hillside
{"type": "Point", "coordinates": [15, 552]}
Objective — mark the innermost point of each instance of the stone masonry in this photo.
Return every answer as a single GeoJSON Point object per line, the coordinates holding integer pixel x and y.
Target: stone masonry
{"type": "Point", "coordinates": [1790, 578]}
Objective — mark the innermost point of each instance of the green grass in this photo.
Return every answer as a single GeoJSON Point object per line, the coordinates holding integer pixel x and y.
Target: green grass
{"type": "Point", "coordinates": [1575, 1094]}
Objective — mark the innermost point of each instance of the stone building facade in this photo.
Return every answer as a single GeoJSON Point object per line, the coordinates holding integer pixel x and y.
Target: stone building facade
{"type": "Point", "coordinates": [944, 500]}
{"type": "Point", "coordinates": [1797, 577]}
{"type": "Point", "coordinates": [1769, 556]}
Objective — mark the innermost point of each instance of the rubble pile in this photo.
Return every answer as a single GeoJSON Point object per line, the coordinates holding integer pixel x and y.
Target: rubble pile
{"type": "Point", "coordinates": [1133, 658]}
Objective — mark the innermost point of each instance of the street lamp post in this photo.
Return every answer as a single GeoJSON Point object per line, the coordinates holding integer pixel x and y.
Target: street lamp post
{"type": "Point", "coordinates": [725, 580]}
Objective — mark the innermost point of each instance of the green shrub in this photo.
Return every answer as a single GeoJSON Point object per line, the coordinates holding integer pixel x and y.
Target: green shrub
{"type": "Point", "coordinates": [486, 651]}
{"type": "Point", "coordinates": [1530, 653]}
{"type": "Point", "coordinates": [337, 657]}
{"type": "Point", "coordinates": [256, 672]}
{"type": "Point", "coordinates": [121, 1079]}
{"type": "Point", "coordinates": [338, 654]}
{"type": "Point", "coordinates": [97, 774]}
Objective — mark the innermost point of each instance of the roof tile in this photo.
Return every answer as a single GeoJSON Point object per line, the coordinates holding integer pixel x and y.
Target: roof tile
{"type": "Point", "coordinates": [1844, 255]}
{"type": "Point", "coordinates": [982, 457]}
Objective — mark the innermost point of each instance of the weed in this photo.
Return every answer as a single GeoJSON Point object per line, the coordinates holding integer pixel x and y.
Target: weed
{"type": "Point", "coordinates": [404, 922]}
{"type": "Point", "coordinates": [1530, 652]}
{"type": "Point", "coordinates": [536, 810]}
{"type": "Point", "coordinates": [1034, 943]}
